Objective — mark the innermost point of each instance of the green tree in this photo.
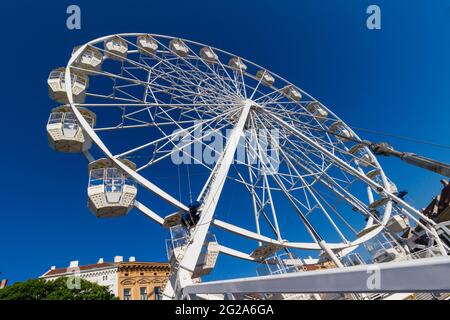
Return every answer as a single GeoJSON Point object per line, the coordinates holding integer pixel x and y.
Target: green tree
{"type": "Point", "coordinates": [40, 289]}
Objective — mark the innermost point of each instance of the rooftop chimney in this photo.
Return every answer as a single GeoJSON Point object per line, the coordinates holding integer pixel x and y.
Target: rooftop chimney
{"type": "Point", "coordinates": [3, 283]}
{"type": "Point", "coordinates": [73, 264]}
{"type": "Point", "coordinates": [118, 258]}
{"type": "Point", "coordinates": [132, 259]}
{"type": "Point", "coordinates": [52, 267]}
{"type": "Point", "coordinates": [100, 260]}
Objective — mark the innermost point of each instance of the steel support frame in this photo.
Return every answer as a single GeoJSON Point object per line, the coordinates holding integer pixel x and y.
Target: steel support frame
{"type": "Point", "coordinates": [182, 277]}
{"type": "Point", "coordinates": [421, 275]}
{"type": "Point", "coordinates": [379, 189]}
{"type": "Point", "coordinates": [150, 186]}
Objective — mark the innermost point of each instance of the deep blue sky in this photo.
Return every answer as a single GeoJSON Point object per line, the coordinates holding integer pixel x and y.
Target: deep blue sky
{"type": "Point", "coordinates": [396, 80]}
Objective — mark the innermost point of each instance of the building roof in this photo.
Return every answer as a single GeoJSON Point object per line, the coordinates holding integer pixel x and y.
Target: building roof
{"type": "Point", "coordinates": [152, 266]}
{"type": "Point", "coordinates": [122, 266]}
{"type": "Point", "coordinates": [87, 267]}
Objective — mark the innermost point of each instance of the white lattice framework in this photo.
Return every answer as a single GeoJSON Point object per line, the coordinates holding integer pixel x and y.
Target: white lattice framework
{"type": "Point", "coordinates": [320, 174]}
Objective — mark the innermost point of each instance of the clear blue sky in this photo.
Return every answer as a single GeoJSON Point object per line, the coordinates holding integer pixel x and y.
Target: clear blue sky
{"type": "Point", "coordinates": [396, 80]}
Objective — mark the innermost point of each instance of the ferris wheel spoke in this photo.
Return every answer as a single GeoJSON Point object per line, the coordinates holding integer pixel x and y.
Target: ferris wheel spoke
{"type": "Point", "coordinates": [276, 92]}
{"type": "Point", "coordinates": [216, 75]}
{"type": "Point", "coordinates": [313, 233]}
{"type": "Point", "coordinates": [129, 95]}
{"type": "Point", "coordinates": [136, 126]}
{"type": "Point", "coordinates": [338, 215]}
{"type": "Point", "coordinates": [330, 155]}
{"type": "Point", "coordinates": [320, 174]}
{"type": "Point", "coordinates": [308, 187]}
{"type": "Point", "coordinates": [272, 206]}
{"type": "Point", "coordinates": [305, 158]}
{"type": "Point", "coordinates": [313, 195]}
{"type": "Point", "coordinates": [193, 74]}
{"type": "Point", "coordinates": [137, 82]}
{"type": "Point", "coordinates": [217, 80]}
{"type": "Point", "coordinates": [331, 183]}
{"type": "Point", "coordinates": [110, 97]}
{"type": "Point", "coordinates": [258, 204]}
{"type": "Point", "coordinates": [134, 63]}
{"type": "Point", "coordinates": [242, 83]}
{"type": "Point", "coordinates": [169, 152]}
{"type": "Point", "coordinates": [193, 87]}
{"type": "Point", "coordinates": [170, 137]}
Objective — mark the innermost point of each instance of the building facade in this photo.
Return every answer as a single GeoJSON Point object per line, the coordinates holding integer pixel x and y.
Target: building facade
{"type": "Point", "coordinates": [102, 273]}
{"type": "Point", "coordinates": [129, 280]}
{"type": "Point", "coordinates": [142, 280]}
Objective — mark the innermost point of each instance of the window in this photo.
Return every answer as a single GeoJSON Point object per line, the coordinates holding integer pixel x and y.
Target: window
{"type": "Point", "coordinates": [157, 292]}
{"type": "Point", "coordinates": [143, 293]}
{"type": "Point", "coordinates": [55, 117]}
{"type": "Point", "coordinates": [105, 278]}
{"type": "Point", "coordinates": [126, 294]}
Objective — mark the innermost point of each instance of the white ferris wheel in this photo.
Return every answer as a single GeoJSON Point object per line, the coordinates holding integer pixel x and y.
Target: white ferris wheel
{"type": "Point", "coordinates": [130, 102]}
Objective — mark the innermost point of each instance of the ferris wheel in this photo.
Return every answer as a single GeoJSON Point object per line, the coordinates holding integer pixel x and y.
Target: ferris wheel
{"type": "Point", "coordinates": [132, 103]}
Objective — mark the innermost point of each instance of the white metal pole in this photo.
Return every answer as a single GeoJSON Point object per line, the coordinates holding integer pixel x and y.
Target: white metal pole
{"type": "Point", "coordinates": [220, 172]}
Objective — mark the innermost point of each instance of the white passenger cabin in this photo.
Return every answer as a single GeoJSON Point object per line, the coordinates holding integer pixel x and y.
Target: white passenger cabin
{"type": "Point", "coordinates": [57, 85]}
{"type": "Point", "coordinates": [383, 250]}
{"type": "Point", "coordinates": [65, 134]}
{"type": "Point", "coordinates": [265, 250]}
{"type": "Point", "coordinates": [398, 223]}
{"type": "Point", "coordinates": [176, 246]}
{"type": "Point", "coordinates": [90, 59]}
{"type": "Point", "coordinates": [387, 255]}
{"type": "Point", "coordinates": [116, 48]}
{"type": "Point", "coordinates": [147, 45]}
{"type": "Point", "coordinates": [292, 93]}
{"type": "Point", "coordinates": [365, 160]}
{"type": "Point", "coordinates": [362, 158]}
{"type": "Point", "coordinates": [278, 265]}
{"type": "Point", "coordinates": [373, 173]}
{"type": "Point", "coordinates": [237, 64]}
{"type": "Point", "coordinates": [318, 112]}
{"type": "Point", "coordinates": [343, 133]}
{"type": "Point", "coordinates": [378, 203]}
{"type": "Point", "coordinates": [208, 55]}
{"type": "Point", "coordinates": [266, 78]}
{"type": "Point", "coordinates": [178, 47]}
{"type": "Point", "coordinates": [111, 192]}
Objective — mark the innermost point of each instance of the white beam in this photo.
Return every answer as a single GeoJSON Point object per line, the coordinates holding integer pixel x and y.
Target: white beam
{"type": "Point", "coordinates": [294, 245]}
{"type": "Point", "coordinates": [219, 175]}
{"type": "Point", "coordinates": [235, 253]}
{"type": "Point", "coordinates": [422, 275]}
{"type": "Point", "coordinates": [149, 213]}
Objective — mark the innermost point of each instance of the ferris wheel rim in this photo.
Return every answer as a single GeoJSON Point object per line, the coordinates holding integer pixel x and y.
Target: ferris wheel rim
{"type": "Point", "coordinates": [139, 178]}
